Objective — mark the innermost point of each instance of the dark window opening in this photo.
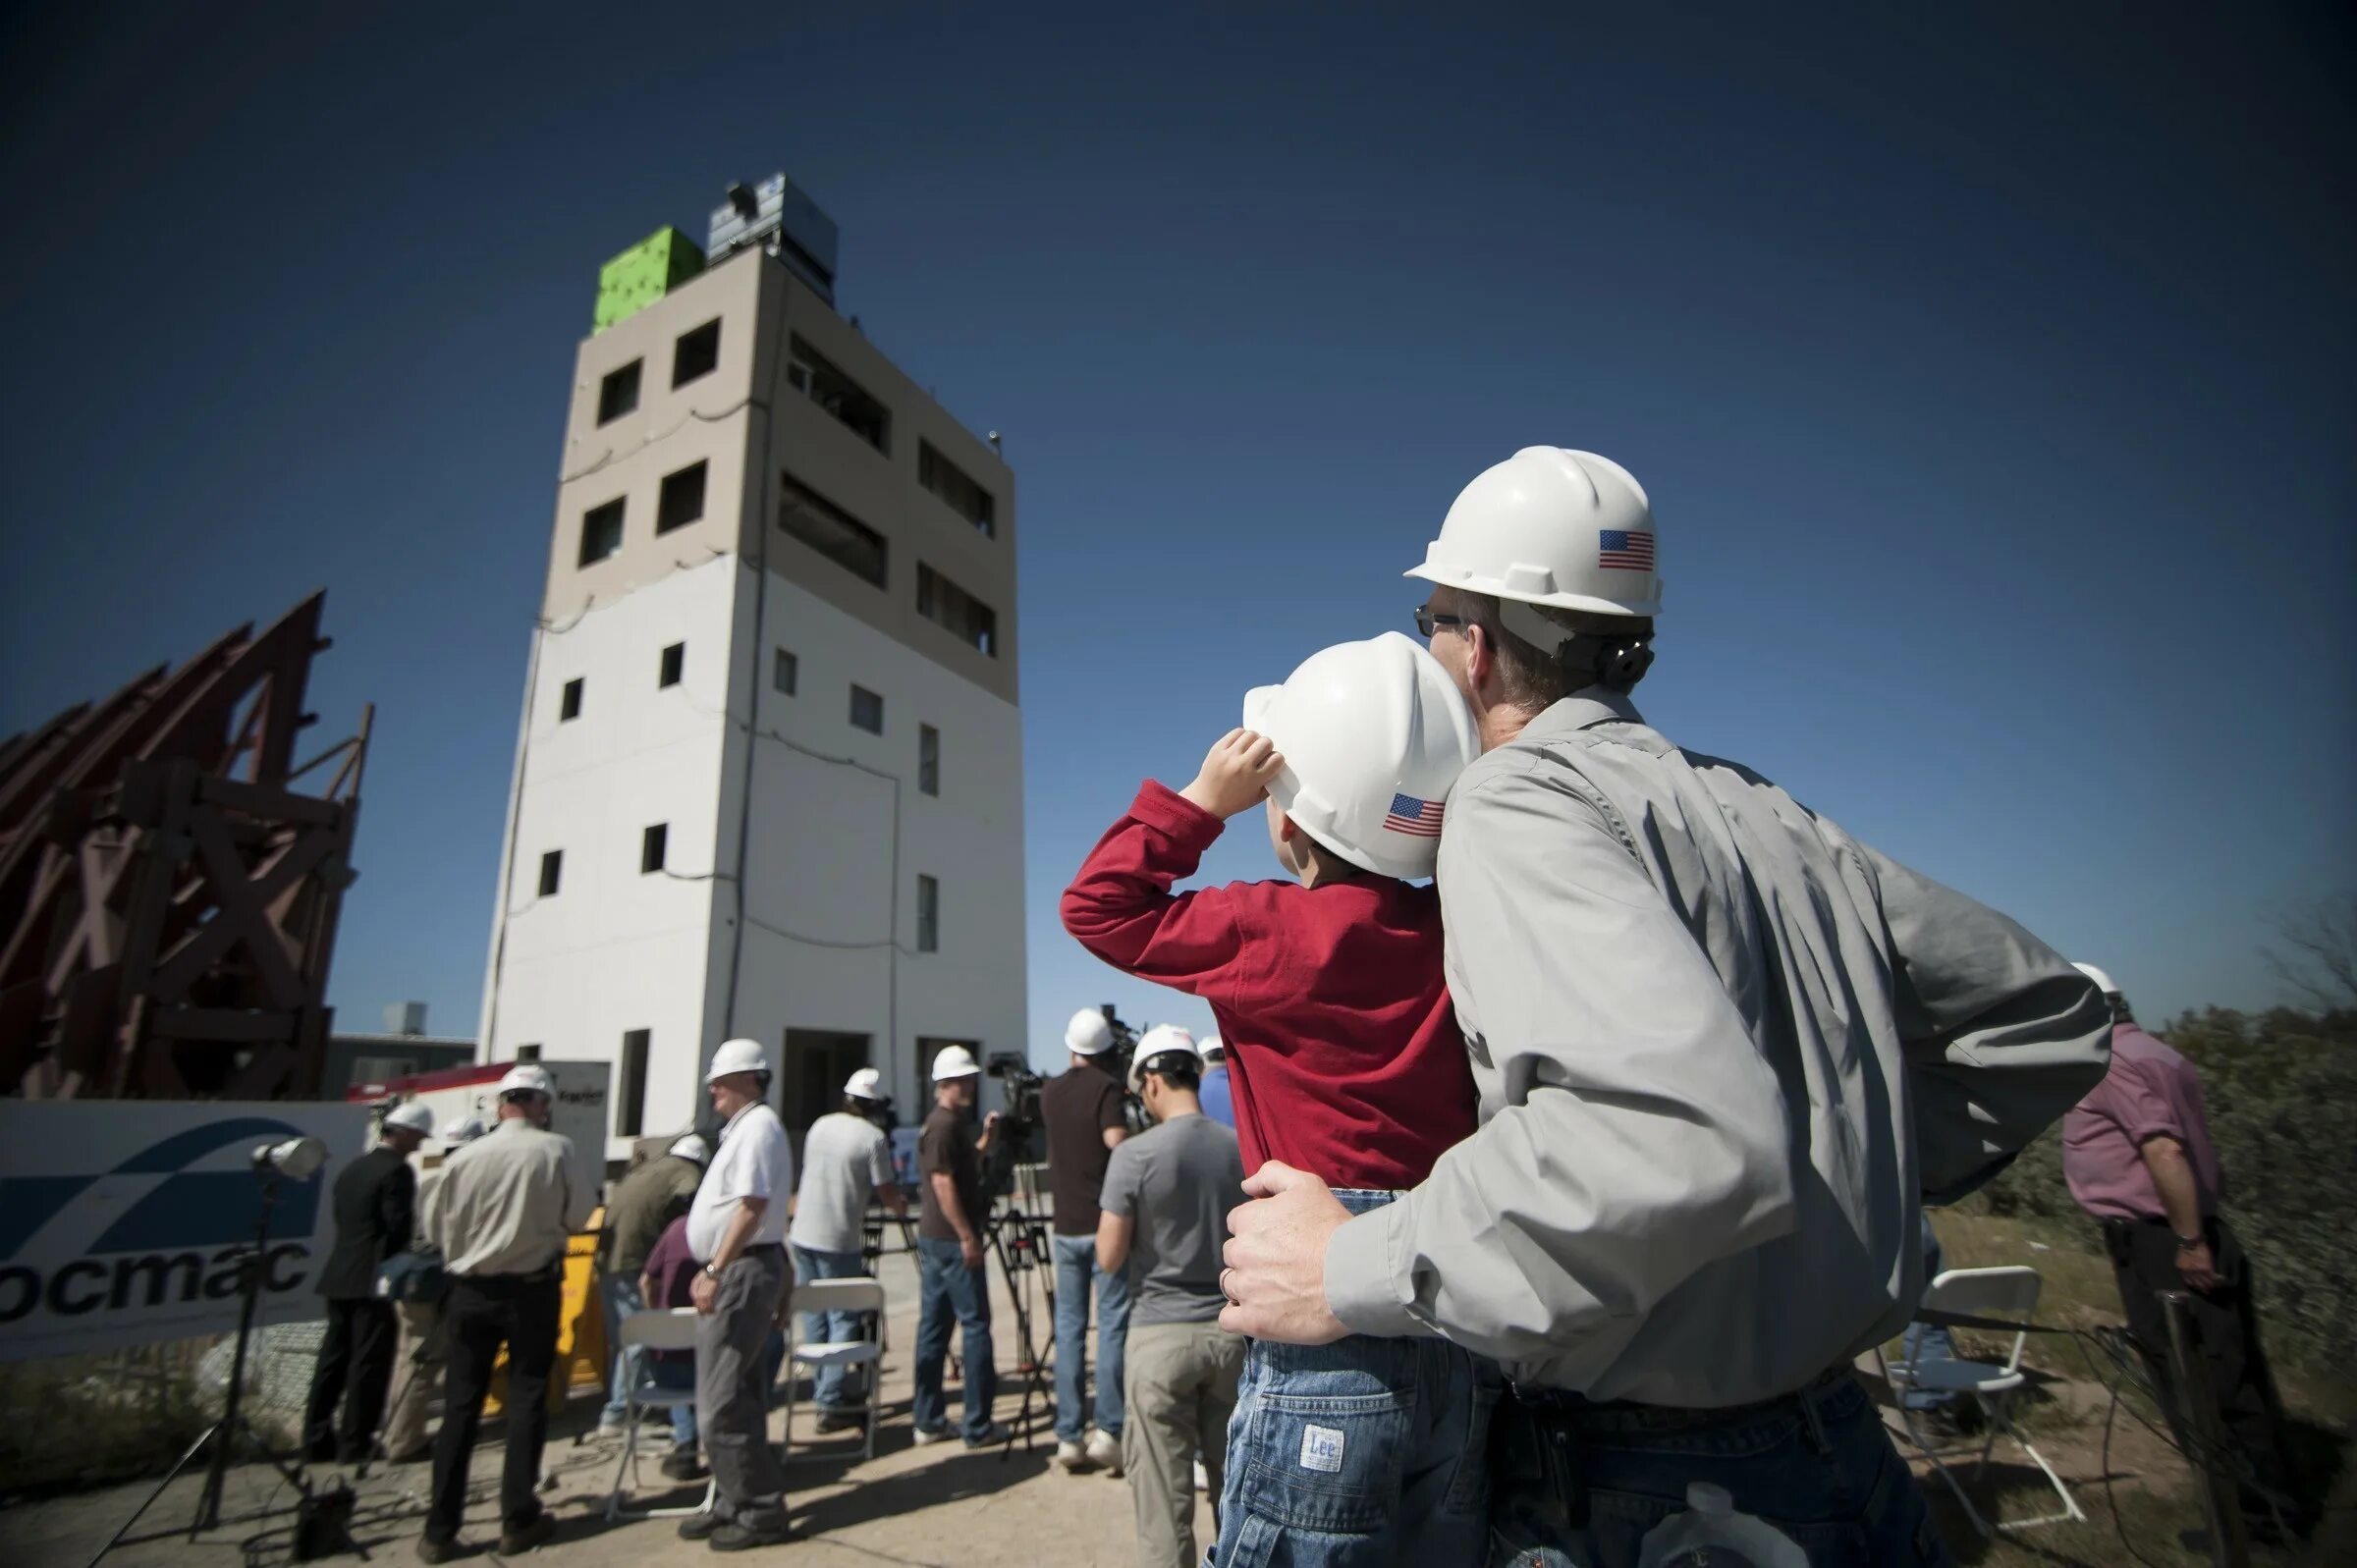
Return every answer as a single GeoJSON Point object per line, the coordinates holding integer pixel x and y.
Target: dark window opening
{"type": "Point", "coordinates": [831, 531]}
{"type": "Point", "coordinates": [968, 619]}
{"type": "Point", "coordinates": [675, 664]}
{"type": "Point", "coordinates": [928, 915]}
{"type": "Point", "coordinates": [786, 673]}
{"type": "Point", "coordinates": [867, 711]}
{"type": "Point", "coordinates": [817, 377]}
{"type": "Point", "coordinates": [928, 760]}
{"type": "Point", "coordinates": [630, 1107]}
{"type": "Point", "coordinates": [601, 532]}
{"type": "Point", "coordinates": [528, 1052]}
{"type": "Point", "coordinates": [696, 354]}
{"type": "Point", "coordinates": [618, 394]}
{"type": "Point", "coordinates": [955, 486]}
{"type": "Point", "coordinates": [651, 847]}
{"type": "Point", "coordinates": [552, 870]}
{"type": "Point", "coordinates": [570, 706]}
{"type": "Point", "coordinates": [681, 500]}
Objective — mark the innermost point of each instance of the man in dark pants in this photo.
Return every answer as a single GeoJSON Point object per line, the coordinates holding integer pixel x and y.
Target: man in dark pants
{"type": "Point", "coordinates": [952, 1286]}
{"type": "Point", "coordinates": [502, 1216]}
{"type": "Point", "coordinates": [2138, 1157]}
{"type": "Point", "coordinates": [375, 1199]}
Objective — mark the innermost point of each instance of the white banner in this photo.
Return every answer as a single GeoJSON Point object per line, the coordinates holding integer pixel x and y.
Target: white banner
{"type": "Point", "coordinates": [122, 1221]}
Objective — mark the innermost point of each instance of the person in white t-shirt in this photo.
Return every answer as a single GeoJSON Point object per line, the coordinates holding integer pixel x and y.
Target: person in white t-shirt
{"type": "Point", "coordinates": [737, 1232]}
{"type": "Point", "coordinates": [846, 1160]}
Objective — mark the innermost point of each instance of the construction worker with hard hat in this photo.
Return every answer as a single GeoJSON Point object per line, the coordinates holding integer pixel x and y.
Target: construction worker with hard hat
{"type": "Point", "coordinates": [374, 1202]}
{"type": "Point", "coordinates": [847, 1163]}
{"type": "Point", "coordinates": [1724, 1052]}
{"type": "Point", "coordinates": [638, 1208]}
{"type": "Point", "coordinates": [1083, 1112]}
{"type": "Point", "coordinates": [1344, 1059]}
{"type": "Point", "coordinates": [502, 1216]}
{"type": "Point", "coordinates": [736, 1234]}
{"type": "Point", "coordinates": [418, 1355]}
{"type": "Point", "coordinates": [952, 1288]}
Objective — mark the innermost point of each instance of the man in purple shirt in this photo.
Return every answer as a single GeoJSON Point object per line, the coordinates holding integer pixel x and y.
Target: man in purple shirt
{"type": "Point", "coordinates": [2138, 1157]}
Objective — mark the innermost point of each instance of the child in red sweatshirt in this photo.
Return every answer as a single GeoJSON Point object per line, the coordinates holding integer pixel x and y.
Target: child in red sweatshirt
{"type": "Point", "coordinates": [1345, 1061]}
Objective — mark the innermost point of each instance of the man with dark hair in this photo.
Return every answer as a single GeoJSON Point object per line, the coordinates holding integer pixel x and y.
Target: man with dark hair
{"type": "Point", "coordinates": [1724, 1052]}
{"type": "Point", "coordinates": [1082, 1108]}
{"type": "Point", "coordinates": [374, 1202]}
{"type": "Point", "coordinates": [846, 1162]}
{"type": "Point", "coordinates": [2138, 1157]}
{"type": "Point", "coordinates": [501, 1216]}
{"type": "Point", "coordinates": [1165, 1197]}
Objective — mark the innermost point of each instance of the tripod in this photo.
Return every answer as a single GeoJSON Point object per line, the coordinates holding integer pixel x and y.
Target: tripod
{"type": "Point", "coordinates": [1020, 1238]}
{"type": "Point", "coordinates": [222, 1434]}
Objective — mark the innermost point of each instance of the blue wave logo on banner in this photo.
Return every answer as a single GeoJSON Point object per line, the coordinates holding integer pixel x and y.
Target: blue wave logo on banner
{"type": "Point", "coordinates": [183, 1207]}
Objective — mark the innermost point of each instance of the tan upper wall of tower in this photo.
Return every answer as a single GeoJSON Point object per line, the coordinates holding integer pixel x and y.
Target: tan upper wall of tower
{"type": "Point", "coordinates": [750, 426]}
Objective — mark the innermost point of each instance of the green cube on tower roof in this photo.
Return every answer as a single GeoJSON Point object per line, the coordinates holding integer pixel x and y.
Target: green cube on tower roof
{"type": "Point", "coordinates": [643, 274]}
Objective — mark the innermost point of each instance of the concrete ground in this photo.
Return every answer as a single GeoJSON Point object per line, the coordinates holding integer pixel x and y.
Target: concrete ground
{"type": "Point", "coordinates": [936, 1505]}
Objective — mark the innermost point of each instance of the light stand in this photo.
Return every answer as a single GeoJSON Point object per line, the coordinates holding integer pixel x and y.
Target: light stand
{"type": "Point", "coordinates": [296, 1159]}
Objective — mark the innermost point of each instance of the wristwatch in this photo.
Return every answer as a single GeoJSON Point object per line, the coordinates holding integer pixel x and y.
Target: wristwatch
{"type": "Point", "coordinates": [2187, 1243]}
{"type": "Point", "coordinates": [711, 1272]}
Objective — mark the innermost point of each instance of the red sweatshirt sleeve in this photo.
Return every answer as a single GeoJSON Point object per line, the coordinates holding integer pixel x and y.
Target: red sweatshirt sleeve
{"type": "Point", "coordinates": [1121, 907]}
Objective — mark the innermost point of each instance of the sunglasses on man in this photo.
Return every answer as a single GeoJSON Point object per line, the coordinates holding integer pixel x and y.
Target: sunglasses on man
{"type": "Point", "coordinates": [1427, 618]}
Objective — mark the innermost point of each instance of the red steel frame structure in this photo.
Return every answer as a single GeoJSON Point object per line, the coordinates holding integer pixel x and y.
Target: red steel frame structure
{"type": "Point", "coordinates": [168, 897]}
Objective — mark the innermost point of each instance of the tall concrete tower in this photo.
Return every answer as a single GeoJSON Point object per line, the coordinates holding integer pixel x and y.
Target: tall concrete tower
{"type": "Point", "coordinates": [769, 780]}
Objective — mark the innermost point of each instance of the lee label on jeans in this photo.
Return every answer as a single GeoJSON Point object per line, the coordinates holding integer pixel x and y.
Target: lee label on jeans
{"type": "Point", "coordinates": [1322, 1449]}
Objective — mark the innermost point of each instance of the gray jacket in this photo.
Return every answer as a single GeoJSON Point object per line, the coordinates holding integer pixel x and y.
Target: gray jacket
{"type": "Point", "coordinates": [1723, 1049]}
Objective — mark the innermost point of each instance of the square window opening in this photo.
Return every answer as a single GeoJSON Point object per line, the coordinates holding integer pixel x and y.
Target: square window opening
{"type": "Point", "coordinates": [601, 532]}
{"type": "Point", "coordinates": [867, 711]}
{"type": "Point", "coordinates": [786, 671]}
{"type": "Point", "coordinates": [696, 354]}
{"type": "Point", "coordinates": [618, 394]}
{"type": "Point", "coordinates": [681, 500]}
{"type": "Point", "coordinates": [528, 1052]}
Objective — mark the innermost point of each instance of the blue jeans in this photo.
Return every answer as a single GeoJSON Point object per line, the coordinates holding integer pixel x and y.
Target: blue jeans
{"type": "Point", "coordinates": [1927, 1341]}
{"type": "Point", "coordinates": [832, 1327]}
{"type": "Point", "coordinates": [1076, 1267]}
{"type": "Point", "coordinates": [1365, 1451]}
{"type": "Point", "coordinates": [621, 1297]}
{"type": "Point", "coordinates": [946, 1290]}
{"type": "Point", "coordinates": [1582, 1484]}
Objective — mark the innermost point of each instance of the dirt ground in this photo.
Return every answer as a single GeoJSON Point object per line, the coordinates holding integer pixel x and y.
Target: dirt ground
{"type": "Point", "coordinates": [941, 1505]}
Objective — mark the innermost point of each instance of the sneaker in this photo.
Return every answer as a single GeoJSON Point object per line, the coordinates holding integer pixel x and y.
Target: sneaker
{"type": "Point", "coordinates": [436, 1550]}
{"type": "Point", "coordinates": [524, 1537]}
{"type": "Point", "coordinates": [930, 1435]}
{"type": "Point", "coordinates": [680, 1464]}
{"type": "Point", "coordinates": [997, 1432]}
{"type": "Point", "coordinates": [842, 1419]}
{"type": "Point", "coordinates": [699, 1525]}
{"type": "Point", "coordinates": [1073, 1456]}
{"type": "Point", "coordinates": [733, 1536]}
{"type": "Point", "coordinates": [1105, 1451]}
{"type": "Point", "coordinates": [608, 1427]}
{"type": "Point", "coordinates": [1202, 1477]}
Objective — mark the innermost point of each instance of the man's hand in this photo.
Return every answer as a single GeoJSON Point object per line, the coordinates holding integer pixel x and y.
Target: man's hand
{"type": "Point", "coordinates": [1235, 774]}
{"type": "Point", "coordinates": [2198, 1268]}
{"type": "Point", "coordinates": [703, 1290]}
{"type": "Point", "coordinates": [969, 1247]}
{"type": "Point", "coordinates": [1275, 1280]}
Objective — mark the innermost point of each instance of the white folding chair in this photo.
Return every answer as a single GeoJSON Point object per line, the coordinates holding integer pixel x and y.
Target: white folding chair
{"type": "Point", "coordinates": [673, 1330]}
{"type": "Point", "coordinates": [852, 1294]}
{"type": "Point", "coordinates": [2008, 1293]}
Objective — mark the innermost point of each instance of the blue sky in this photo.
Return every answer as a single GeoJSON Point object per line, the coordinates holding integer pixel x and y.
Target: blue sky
{"type": "Point", "coordinates": [1990, 378]}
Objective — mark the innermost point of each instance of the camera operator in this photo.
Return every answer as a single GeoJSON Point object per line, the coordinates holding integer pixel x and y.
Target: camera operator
{"type": "Point", "coordinates": [1081, 1108]}
{"type": "Point", "coordinates": [845, 1162]}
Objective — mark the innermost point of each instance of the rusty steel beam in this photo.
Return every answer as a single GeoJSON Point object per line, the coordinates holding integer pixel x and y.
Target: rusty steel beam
{"type": "Point", "coordinates": [168, 898]}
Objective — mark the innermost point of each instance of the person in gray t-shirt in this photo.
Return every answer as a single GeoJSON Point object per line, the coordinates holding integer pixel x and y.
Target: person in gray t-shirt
{"type": "Point", "coordinates": [845, 1160]}
{"type": "Point", "coordinates": [1165, 1220]}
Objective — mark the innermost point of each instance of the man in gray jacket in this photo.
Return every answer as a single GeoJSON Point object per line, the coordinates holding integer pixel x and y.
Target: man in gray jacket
{"type": "Point", "coordinates": [1724, 1051]}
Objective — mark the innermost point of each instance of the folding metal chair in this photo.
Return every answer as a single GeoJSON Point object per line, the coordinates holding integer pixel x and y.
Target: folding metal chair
{"type": "Point", "coordinates": [655, 1330]}
{"type": "Point", "coordinates": [858, 1294]}
{"type": "Point", "coordinates": [2009, 1293]}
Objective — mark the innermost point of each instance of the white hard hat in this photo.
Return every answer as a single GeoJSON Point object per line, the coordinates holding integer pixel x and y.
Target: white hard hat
{"type": "Point", "coordinates": [1550, 526]}
{"type": "Point", "coordinates": [691, 1146]}
{"type": "Point", "coordinates": [737, 1056]}
{"type": "Point", "coordinates": [411, 1117]}
{"type": "Point", "coordinates": [955, 1061]}
{"type": "Point", "coordinates": [1373, 736]}
{"type": "Point", "coordinates": [865, 1083]}
{"type": "Point", "coordinates": [1212, 1048]}
{"type": "Point", "coordinates": [465, 1131]}
{"type": "Point", "coordinates": [527, 1078]}
{"type": "Point", "coordinates": [1088, 1034]}
{"type": "Point", "coordinates": [1159, 1041]}
{"type": "Point", "coordinates": [2102, 982]}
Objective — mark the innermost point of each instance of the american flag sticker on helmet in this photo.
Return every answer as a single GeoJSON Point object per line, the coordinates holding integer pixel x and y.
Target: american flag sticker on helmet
{"type": "Point", "coordinates": [1628, 549]}
{"type": "Point", "coordinates": [1418, 818]}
